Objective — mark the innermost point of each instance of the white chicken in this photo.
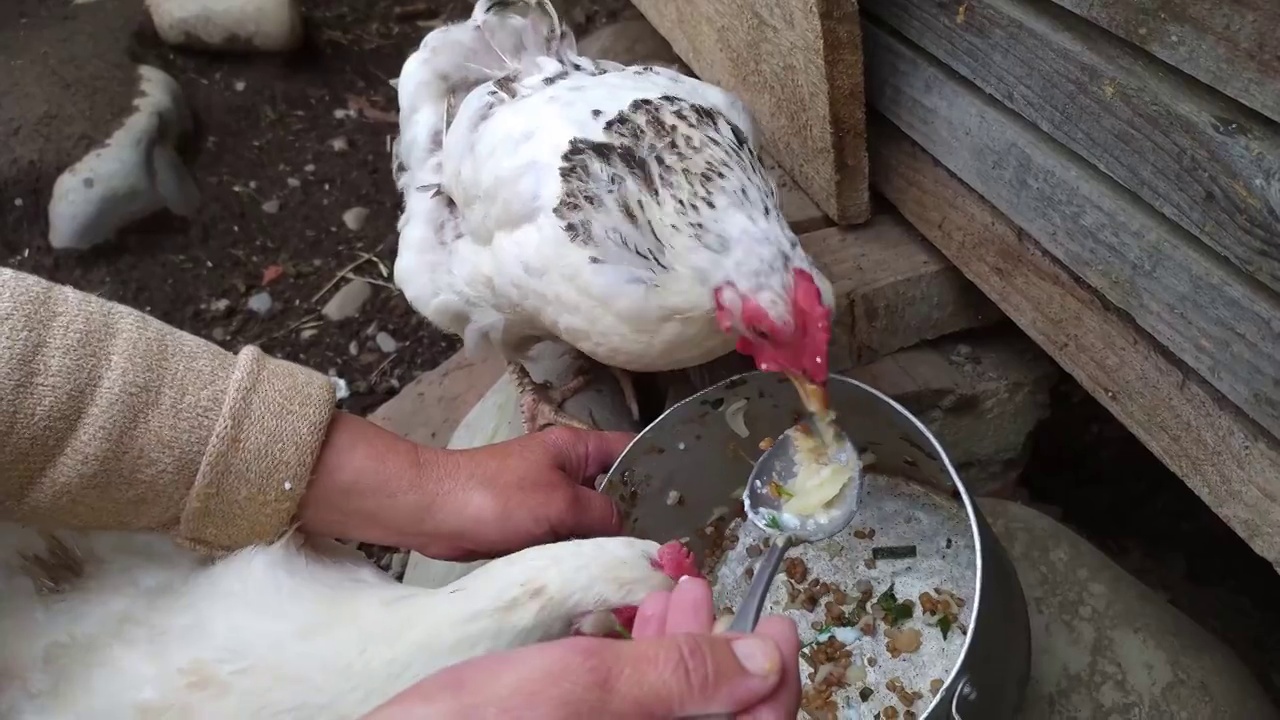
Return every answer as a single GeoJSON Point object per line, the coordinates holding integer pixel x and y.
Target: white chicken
{"type": "Point", "coordinates": [116, 626]}
{"type": "Point", "coordinates": [621, 210]}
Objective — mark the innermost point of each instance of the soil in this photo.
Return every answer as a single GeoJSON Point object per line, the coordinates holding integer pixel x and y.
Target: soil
{"type": "Point", "coordinates": [262, 120]}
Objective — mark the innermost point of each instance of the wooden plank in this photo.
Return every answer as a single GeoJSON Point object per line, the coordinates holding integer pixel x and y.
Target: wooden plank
{"type": "Point", "coordinates": [1205, 161]}
{"type": "Point", "coordinates": [893, 290]}
{"type": "Point", "coordinates": [1229, 44]}
{"type": "Point", "coordinates": [1190, 299]}
{"type": "Point", "coordinates": [1230, 462]}
{"type": "Point", "coordinates": [798, 66]}
{"type": "Point", "coordinates": [799, 209]}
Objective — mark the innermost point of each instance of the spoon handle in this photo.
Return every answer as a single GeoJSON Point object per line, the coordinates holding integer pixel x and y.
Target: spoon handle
{"type": "Point", "coordinates": [744, 621]}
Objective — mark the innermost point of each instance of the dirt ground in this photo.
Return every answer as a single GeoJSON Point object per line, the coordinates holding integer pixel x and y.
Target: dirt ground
{"type": "Point", "coordinates": [262, 122]}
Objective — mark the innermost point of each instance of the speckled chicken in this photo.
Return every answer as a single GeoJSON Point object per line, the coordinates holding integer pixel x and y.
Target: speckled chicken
{"type": "Point", "coordinates": [621, 210]}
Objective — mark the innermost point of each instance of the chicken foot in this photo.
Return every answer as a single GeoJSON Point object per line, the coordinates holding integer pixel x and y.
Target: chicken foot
{"type": "Point", "coordinates": [540, 403]}
{"type": "Point", "coordinates": [628, 386]}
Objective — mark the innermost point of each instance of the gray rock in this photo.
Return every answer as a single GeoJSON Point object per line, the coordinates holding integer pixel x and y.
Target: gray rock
{"type": "Point", "coordinates": [981, 398]}
{"type": "Point", "coordinates": [134, 173]}
{"type": "Point", "coordinates": [259, 302]}
{"type": "Point", "coordinates": [385, 342]}
{"type": "Point", "coordinates": [271, 207]}
{"type": "Point", "coordinates": [1106, 646]}
{"type": "Point", "coordinates": [340, 144]}
{"type": "Point", "coordinates": [229, 25]}
{"type": "Point", "coordinates": [355, 218]}
{"type": "Point", "coordinates": [346, 303]}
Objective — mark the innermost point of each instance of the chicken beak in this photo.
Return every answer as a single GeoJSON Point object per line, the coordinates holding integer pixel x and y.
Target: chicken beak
{"type": "Point", "coordinates": [813, 395]}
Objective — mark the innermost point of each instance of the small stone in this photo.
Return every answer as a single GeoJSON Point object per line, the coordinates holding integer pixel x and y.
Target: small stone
{"type": "Point", "coordinates": [219, 334]}
{"type": "Point", "coordinates": [355, 218]}
{"type": "Point", "coordinates": [218, 307]}
{"type": "Point", "coordinates": [308, 333]}
{"type": "Point", "coordinates": [340, 144]}
{"type": "Point", "coordinates": [353, 348]}
{"type": "Point", "coordinates": [17, 202]}
{"type": "Point", "coordinates": [309, 167]}
{"type": "Point", "coordinates": [239, 85]}
{"type": "Point", "coordinates": [346, 303]}
{"type": "Point", "coordinates": [259, 303]}
{"type": "Point", "coordinates": [386, 343]}
{"type": "Point", "coordinates": [271, 207]}
{"type": "Point", "coordinates": [293, 182]}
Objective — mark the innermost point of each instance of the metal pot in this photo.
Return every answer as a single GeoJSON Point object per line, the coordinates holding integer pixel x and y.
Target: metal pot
{"type": "Point", "coordinates": [692, 449]}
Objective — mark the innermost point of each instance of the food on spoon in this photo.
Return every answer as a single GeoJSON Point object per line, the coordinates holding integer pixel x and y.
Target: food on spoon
{"type": "Point", "coordinates": [819, 478]}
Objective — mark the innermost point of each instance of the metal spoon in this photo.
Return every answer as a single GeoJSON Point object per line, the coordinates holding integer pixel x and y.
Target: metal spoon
{"type": "Point", "coordinates": [778, 464]}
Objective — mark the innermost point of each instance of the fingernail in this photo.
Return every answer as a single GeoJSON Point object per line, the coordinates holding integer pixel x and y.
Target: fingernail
{"type": "Point", "coordinates": [683, 578]}
{"type": "Point", "coordinates": [758, 655]}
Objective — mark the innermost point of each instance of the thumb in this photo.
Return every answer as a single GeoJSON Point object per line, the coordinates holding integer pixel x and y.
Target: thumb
{"type": "Point", "coordinates": [686, 675]}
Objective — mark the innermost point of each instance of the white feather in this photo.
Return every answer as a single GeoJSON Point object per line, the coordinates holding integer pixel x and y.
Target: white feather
{"type": "Point", "coordinates": [285, 631]}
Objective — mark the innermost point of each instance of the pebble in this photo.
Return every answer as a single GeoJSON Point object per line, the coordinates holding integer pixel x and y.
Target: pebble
{"type": "Point", "coordinates": [346, 303]}
{"type": "Point", "coordinates": [218, 307]}
{"type": "Point", "coordinates": [239, 85]}
{"type": "Point", "coordinates": [219, 334]}
{"type": "Point", "coordinates": [271, 207]}
{"type": "Point", "coordinates": [354, 348]}
{"type": "Point", "coordinates": [309, 167]}
{"type": "Point", "coordinates": [308, 333]}
{"type": "Point", "coordinates": [386, 343]}
{"type": "Point", "coordinates": [293, 182]}
{"type": "Point", "coordinates": [259, 302]}
{"type": "Point", "coordinates": [355, 218]}
{"type": "Point", "coordinates": [340, 144]}
{"type": "Point", "coordinates": [17, 202]}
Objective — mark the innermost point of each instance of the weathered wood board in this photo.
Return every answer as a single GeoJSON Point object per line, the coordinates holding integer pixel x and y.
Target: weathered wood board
{"type": "Point", "coordinates": [1229, 44]}
{"type": "Point", "coordinates": [1203, 160]}
{"type": "Point", "coordinates": [893, 290]}
{"type": "Point", "coordinates": [1230, 462]}
{"type": "Point", "coordinates": [798, 66]}
{"type": "Point", "coordinates": [1195, 303]}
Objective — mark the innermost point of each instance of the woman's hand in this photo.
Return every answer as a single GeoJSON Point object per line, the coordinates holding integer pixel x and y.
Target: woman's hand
{"type": "Point", "coordinates": [374, 486]}
{"type": "Point", "coordinates": [673, 669]}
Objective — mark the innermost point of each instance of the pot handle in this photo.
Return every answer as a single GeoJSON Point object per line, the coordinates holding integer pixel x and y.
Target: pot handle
{"type": "Point", "coordinates": [965, 694]}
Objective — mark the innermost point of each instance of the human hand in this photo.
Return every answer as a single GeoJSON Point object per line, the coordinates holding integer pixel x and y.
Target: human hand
{"type": "Point", "coordinates": [374, 486]}
{"type": "Point", "coordinates": [534, 489]}
{"type": "Point", "coordinates": [674, 668]}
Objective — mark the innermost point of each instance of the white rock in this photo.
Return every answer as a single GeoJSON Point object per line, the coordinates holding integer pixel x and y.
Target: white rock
{"type": "Point", "coordinates": [308, 333]}
{"type": "Point", "coordinates": [271, 207]}
{"type": "Point", "coordinates": [259, 302]}
{"type": "Point", "coordinates": [239, 85]}
{"type": "Point", "coordinates": [1106, 646]}
{"type": "Point", "coordinates": [340, 144]}
{"type": "Point", "coordinates": [385, 342]}
{"type": "Point", "coordinates": [238, 25]}
{"type": "Point", "coordinates": [353, 348]}
{"type": "Point", "coordinates": [355, 218]}
{"type": "Point", "coordinates": [293, 182]}
{"type": "Point", "coordinates": [136, 172]}
{"type": "Point", "coordinates": [346, 303]}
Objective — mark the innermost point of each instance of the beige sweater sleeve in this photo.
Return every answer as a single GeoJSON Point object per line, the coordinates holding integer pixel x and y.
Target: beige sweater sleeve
{"type": "Point", "coordinates": [110, 419]}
